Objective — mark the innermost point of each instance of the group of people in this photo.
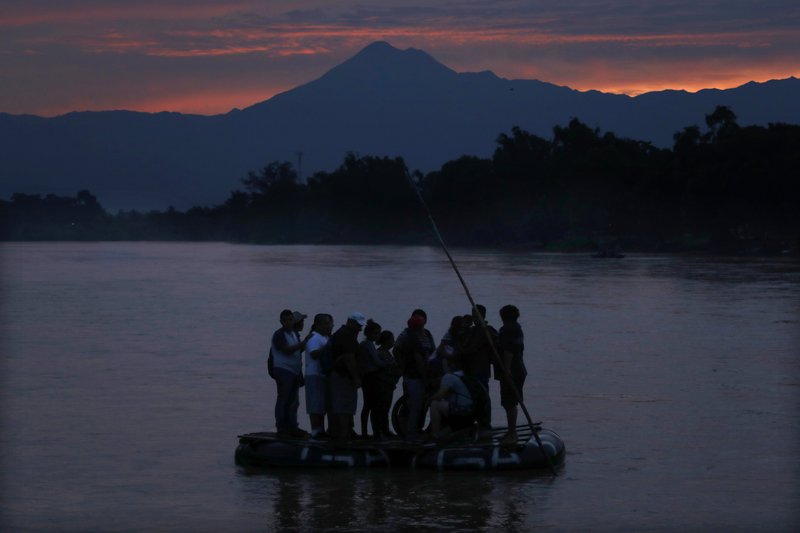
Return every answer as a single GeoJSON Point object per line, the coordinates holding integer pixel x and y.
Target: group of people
{"type": "Point", "coordinates": [452, 375]}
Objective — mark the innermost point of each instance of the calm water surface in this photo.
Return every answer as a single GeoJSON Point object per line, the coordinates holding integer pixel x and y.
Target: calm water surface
{"type": "Point", "coordinates": [128, 369]}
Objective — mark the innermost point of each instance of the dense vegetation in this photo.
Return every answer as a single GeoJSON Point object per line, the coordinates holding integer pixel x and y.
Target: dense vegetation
{"type": "Point", "coordinates": [725, 189]}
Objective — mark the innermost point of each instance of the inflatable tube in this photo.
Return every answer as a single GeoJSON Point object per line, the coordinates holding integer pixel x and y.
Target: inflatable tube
{"type": "Point", "coordinates": [265, 451]}
{"type": "Point", "coordinates": [494, 456]}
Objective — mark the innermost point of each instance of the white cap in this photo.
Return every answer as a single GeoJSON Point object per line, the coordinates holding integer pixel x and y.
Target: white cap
{"type": "Point", "coordinates": [358, 317]}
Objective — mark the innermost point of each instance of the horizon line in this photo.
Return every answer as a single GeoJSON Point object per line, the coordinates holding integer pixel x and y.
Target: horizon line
{"type": "Point", "coordinates": [148, 107]}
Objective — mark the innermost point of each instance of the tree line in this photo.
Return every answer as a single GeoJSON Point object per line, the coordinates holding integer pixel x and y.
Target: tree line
{"type": "Point", "coordinates": [723, 188]}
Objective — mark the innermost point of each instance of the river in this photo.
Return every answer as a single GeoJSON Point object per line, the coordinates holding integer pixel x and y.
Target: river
{"type": "Point", "coordinates": [128, 369]}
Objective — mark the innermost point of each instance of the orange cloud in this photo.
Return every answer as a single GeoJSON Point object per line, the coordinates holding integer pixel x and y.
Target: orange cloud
{"type": "Point", "coordinates": [205, 102]}
{"type": "Point", "coordinates": [546, 46]}
{"type": "Point", "coordinates": [288, 39]}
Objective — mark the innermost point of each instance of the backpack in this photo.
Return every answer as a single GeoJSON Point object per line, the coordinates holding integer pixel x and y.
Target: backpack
{"type": "Point", "coordinates": [480, 400]}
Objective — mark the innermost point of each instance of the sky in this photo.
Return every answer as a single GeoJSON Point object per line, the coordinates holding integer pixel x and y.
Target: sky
{"type": "Point", "coordinates": [208, 57]}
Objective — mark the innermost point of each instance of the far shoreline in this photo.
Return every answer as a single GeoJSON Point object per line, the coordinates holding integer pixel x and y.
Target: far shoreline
{"type": "Point", "coordinates": [553, 249]}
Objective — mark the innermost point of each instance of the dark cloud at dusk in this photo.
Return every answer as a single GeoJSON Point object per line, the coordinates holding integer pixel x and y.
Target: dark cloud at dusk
{"type": "Point", "coordinates": [204, 56]}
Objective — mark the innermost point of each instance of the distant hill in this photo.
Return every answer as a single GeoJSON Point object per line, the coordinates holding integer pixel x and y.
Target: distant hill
{"type": "Point", "coordinates": [382, 101]}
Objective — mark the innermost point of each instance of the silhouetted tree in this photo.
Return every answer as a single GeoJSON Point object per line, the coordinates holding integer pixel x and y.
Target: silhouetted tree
{"type": "Point", "coordinates": [725, 188]}
{"type": "Point", "coordinates": [520, 163]}
{"type": "Point", "coordinates": [275, 176]}
{"type": "Point", "coordinates": [721, 124]}
{"type": "Point", "coordinates": [460, 186]}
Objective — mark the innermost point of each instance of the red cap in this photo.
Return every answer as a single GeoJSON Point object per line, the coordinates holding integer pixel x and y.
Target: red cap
{"type": "Point", "coordinates": [416, 321]}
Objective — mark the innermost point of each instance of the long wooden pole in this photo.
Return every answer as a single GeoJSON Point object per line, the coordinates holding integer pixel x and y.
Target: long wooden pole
{"type": "Point", "coordinates": [497, 359]}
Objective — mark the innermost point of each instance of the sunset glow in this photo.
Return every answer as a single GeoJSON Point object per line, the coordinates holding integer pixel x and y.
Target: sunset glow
{"type": "Point", "coordinates": [208, 57]}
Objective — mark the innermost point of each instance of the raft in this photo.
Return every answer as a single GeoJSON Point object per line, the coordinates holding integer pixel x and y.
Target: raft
{"type": "Point", "coordinates": [268, 450]}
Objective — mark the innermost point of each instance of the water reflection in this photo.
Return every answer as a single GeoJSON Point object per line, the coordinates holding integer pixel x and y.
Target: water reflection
{"type": "Point", "coordinates": [371, 500]}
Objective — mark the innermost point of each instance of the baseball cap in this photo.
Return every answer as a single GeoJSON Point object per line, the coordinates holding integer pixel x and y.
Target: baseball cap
{"type": "Point", "coordinates": [358, 317]}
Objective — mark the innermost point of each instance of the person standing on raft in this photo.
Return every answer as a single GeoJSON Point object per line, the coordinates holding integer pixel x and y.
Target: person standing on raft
{"type": "Point", "coordinates": [510, 345]}
{"type": "Point", "coordinates": [287, 351]}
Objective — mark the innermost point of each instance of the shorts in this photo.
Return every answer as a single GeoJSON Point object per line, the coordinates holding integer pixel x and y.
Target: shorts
{"type": "Point", "coordinates": [316, 394]}
{"type": "Point", "coordinates": [507, 396]}
{"type": "Point", "coordinates": [457, 408]}
{"type": "Point", "coordinates": [343, 395]}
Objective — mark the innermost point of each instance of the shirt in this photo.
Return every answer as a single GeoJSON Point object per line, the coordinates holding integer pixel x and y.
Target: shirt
{"type": "Point", "coordinates": [291, 361]}
{"type": "Point", "coordinates": [511, 339]}
{"type": "Point", "coordinates": [315, 342]}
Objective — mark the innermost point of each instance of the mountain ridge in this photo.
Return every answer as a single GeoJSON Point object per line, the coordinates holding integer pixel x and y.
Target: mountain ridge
{"type": "Point", "coordinates": [382, 101]}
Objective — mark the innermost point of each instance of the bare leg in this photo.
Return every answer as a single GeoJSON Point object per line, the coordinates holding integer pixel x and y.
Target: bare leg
{"type": "Point", "coordinates": [510, 438]}
{"type": "Point", "coordinates": [438, 411]}
{"type": "Point", "coordinates": [511, 418]}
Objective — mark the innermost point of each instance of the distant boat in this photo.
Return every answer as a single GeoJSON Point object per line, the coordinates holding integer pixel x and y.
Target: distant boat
{"type": "Point", "coordinates": [608, 247]}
